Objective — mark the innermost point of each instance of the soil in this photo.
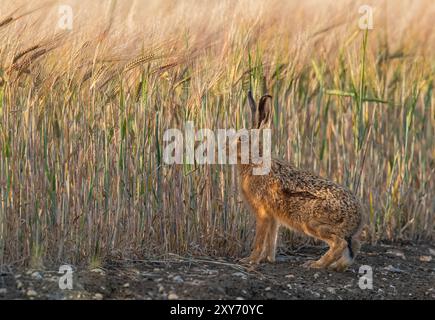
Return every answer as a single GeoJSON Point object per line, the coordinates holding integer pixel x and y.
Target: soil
{"type": "Point", "coordinates": [404, 271]}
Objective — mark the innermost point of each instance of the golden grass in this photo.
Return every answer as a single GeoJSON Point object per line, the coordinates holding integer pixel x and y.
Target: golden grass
{"type": "Point", "coordinates": [82, 115]}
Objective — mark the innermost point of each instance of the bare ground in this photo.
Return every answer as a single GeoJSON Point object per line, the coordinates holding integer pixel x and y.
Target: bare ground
{"type": "Point", "coordinates": [399, 272]}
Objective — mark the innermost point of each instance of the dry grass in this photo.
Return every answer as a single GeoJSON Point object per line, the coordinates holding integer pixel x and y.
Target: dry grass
{"type": "Point", "coordinates": [82, 115]}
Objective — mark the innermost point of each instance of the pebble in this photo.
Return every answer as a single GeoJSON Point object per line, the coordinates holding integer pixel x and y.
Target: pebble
{"type": "Point", "coordinates": [426, 258]}
{"type": "Point", "coordinates": [397, 253]}
{"type": "Point", "coordinates": [98, 296]}
{"type": "Point", "coordinates": [36, 275]}
{"type": "Point", "coordinates": [3, 291]}
{"type": "Point", "coordinates": [239, 274]}
{"type": "Point", "coordinates": [126, 285]}
{"type": "Point", "coordinates": [330, 290]}
{"type": "Point", "coordinates": [31, 293]}
{"type": "Point", "coordinates": [212, 272]}
{"type": "Point", "coordinates": [393, 269]}
{"type": "Point", "coordinates": [270, 295]}
{"type": "Point", "coordinates": [196, 282]}
{"type": "Point", "coordinates": [172, 296]}
{"type": "Point", "coordinates": [99, 271]}
{"type": "Point", "coordinates": [161, 288]}
{"type": "Point", "coordinates": [178, 279]}
{"type": "Point", "coordinates": [19, 284]}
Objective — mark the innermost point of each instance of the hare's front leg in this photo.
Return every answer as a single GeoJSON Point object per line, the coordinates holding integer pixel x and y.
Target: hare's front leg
{"type": "Point", "coordinates": [271, 239]}
{"type": "Point", "coordinates": [261, 241]}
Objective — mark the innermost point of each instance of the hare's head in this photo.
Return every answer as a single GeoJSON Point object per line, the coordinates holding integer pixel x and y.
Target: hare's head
{"type": "Point", "coordinates": [249, 139]}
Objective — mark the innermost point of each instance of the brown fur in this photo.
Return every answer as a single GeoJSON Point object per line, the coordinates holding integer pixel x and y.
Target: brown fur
{"type": "Point", "coordinates": [302, 201]}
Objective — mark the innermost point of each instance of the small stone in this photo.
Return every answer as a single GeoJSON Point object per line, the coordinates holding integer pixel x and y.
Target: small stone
{"type": "Point", "coordinates": [268, 289]}
{"type": "Point", "coordinates": [330, 290]}
{"type": "Point", "coordinates": [432, 251]}
{"type": "Point", "coordinates": [393, 269]}
{"type": "Point", "coordinates": [240, 275]}
{"type": "Point", "coordinates": [316, 294]}
{"type": "Point", "coordinates": [172, 296]}
{"type": "Point", "coordinates": [425, 258]}
{"type": "Point", "coordinates": [290, 276]}
{"type": "Point", "coordinates": [270, 295]}
{"type": "Point", "coordinates": [196, 282]}
{"type": "Point", "coordinates": [211, 272]}
{"type": "Point", "coordinates": [31, 293]}
{"type": "Point", "coordinates": [160, 288]}
{"type": "Point", "coordinates": [19, 284]}
{"type": "Point", "coordinates": [99, 271]}
{"type": "Point", "coordinates": [240, 298]}
{"type": "Point", "coordinates": [316, 275]}
{"type": "Point", "coordinates": [36, 275]}
{"type": "Point", "coordinates": [98, 296]}
{"type": "Point", "coordinates": [397, 253]}
{"type": "Point", "coordinates": [178, 279]}
{"type": "Point", "coordinates": [126, 285]}
{"type": "Point", "coordinates": [156, 270]}
{"type": "Point", "coordinates": [3, 291]}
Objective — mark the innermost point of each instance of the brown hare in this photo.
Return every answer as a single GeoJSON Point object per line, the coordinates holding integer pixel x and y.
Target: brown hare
{"type": "Point", "coordinates": [299, 200]}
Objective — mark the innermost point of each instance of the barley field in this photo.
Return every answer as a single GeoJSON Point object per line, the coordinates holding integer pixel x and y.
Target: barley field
{"type": "Point", "coordinates": [83, 111]}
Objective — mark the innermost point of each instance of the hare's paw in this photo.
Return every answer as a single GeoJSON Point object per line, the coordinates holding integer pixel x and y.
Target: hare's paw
{"type": "Point", "coordinates": [250, 260]}
{"type": "Point", "coordinates": [271, 259]}
{"type": "Point", "coordinates": [246, 260]}
{"type": "Point", "coordinates": [312, 264]}
{"type": "Point", "coordinates": [339, 266]}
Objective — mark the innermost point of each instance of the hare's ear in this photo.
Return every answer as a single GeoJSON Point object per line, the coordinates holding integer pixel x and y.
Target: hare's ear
{"type": "Point", "coordinates": [253, 106]}
{"type": "Point", "coordinates": [264, 111]}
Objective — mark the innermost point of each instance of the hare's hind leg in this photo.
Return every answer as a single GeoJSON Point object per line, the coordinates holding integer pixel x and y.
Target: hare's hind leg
{"type": "Point", "coordinates": [337, 245]}
{"type": "Point", "coordinates": [262, 230]}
